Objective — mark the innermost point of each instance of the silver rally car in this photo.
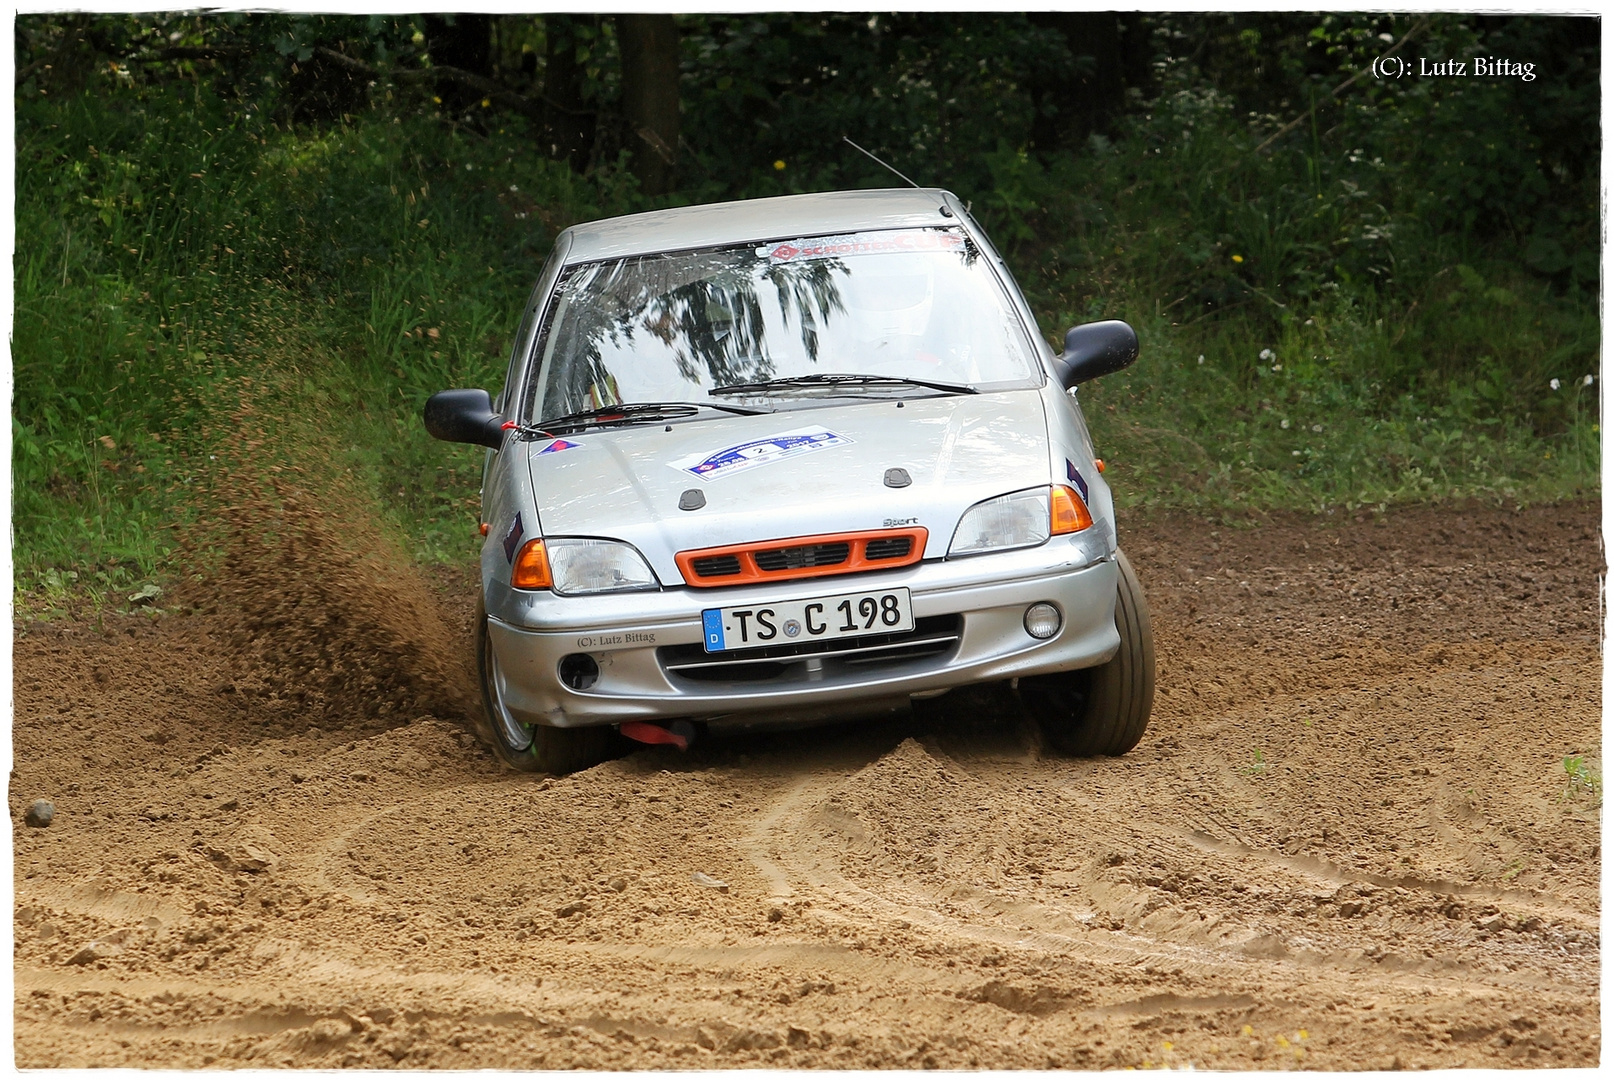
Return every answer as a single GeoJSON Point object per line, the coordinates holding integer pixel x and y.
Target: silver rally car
{"type": "Point", "coordinates": [793, 460]}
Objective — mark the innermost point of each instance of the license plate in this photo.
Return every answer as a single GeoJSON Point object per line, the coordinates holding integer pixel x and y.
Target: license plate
{"type": "Point", "coordinates": [824, 618]}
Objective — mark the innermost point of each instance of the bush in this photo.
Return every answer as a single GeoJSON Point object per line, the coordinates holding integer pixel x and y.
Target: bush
{"type": "Point", "coordinates": [1393, 300]}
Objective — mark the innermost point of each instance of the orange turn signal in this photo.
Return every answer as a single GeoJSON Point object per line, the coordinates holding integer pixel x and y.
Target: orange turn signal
{"type": "Point", "coordinates": [1098, 463]}
{"type": "Point", "coordinates": [482, 529]}
{"type": "Point", "coordinates": [531, 570]}
{"type": "Point", "coordinates": [1067, 513]}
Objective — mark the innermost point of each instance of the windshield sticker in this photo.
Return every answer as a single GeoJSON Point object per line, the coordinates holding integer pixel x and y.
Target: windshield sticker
{"type": "Point", "coordinates": [511, 539]}
{"type": "Point", "coordinates": [765, 451]}
{"type": "Point", "coordinates": [558, 445]}
{"type": "Point", "coordinates": [1076, 478]}
{"type": "Point", "coordinates": [882, 243]}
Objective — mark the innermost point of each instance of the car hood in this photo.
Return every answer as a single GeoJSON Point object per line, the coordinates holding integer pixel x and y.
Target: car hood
{"type": "Point", "coordinates": [796, 472]}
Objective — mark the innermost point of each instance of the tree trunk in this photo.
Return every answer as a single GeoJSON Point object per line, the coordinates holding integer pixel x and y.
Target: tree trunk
{"type": "Point", "coordinates": [1087, 96]}
{"type": "Point", "coordinates": [649, 47]}
{"type": "Point", "coordinates": [464, 41]}
{"type": "Point", "coordinates": [568, 124]}
{"type": "Point", "coordinates": [1136, 68]}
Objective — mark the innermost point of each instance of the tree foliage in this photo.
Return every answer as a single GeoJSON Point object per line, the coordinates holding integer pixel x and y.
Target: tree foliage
{"type": "Point", "coordinates": [1414, 260]}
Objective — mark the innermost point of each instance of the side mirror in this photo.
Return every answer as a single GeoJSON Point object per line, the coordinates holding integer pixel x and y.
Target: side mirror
{"type": "Point", "coordinates": [1096, 349]}
{"type": "Point", "coordinates": [465, 416]}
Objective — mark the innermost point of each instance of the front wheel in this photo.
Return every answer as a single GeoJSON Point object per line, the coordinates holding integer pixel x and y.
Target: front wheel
{"type": "Point", "coordinates": [531, 747]}
{"type": "Point", "coordinates": [1104, 709]}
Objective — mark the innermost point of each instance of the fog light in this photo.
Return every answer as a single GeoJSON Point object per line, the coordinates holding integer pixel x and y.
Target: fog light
{"type": "Point", "coordinates": [579, 671]}
{"type": "Point", "coordinates": [1042, 621]}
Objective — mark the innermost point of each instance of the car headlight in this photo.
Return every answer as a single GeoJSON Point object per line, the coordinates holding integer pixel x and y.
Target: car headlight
{"type": "Point", "coordinates": [1019, 519]}
{"type": "Point", "coordinates": [1016, 520]}
{"type": "Point", "coordinates": [583, 567]}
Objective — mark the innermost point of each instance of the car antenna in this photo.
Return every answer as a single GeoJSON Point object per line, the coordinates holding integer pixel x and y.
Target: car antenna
{"type": "Point", "coordinates": [848, 140]}
{"type": "Point", "coordinates": [859, 149]}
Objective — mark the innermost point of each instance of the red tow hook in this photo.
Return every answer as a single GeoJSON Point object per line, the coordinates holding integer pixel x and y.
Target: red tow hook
{"type": "Point", "coordinates": [680, 735]}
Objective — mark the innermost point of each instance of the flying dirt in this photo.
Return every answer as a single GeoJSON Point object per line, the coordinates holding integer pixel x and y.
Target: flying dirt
{"type": "Point", "coordinates": [1349, 840]}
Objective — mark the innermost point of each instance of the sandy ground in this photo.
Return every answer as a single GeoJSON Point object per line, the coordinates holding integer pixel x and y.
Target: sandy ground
{"type": "Point", "coordinates": [1348, 841]}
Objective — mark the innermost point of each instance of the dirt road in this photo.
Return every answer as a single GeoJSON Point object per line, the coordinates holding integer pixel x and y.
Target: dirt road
{"type": "Point", "coordinates": [1347, 841]}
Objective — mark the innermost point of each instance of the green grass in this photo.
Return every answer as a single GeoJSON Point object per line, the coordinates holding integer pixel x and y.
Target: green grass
{"type": "Point", "coordinates": [1277, 424]}
{"type": "Point", "coordinates": [1307, 342]}
{"type": "Point", "coordinates": [1582, 781]}
{"type": "Point", "coordinates": [167, 248]}
{"type": "Point", "coordinates": [171, 247]}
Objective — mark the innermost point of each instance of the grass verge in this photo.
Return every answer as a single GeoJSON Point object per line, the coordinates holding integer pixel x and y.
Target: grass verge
{"type": "Point", "coordinates": [172, 248]}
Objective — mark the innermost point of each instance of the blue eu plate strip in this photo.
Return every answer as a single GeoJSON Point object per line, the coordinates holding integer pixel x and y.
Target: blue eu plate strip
{"type": "Point", "coordinates": [712, 623]}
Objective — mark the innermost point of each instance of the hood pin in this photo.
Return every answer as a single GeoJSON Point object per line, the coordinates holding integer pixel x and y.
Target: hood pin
{"type": "Point", "coordinates": [693, 499]}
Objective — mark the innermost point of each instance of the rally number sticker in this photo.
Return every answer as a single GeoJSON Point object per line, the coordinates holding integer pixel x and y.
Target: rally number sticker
{"type": "Point", "coordinates": [764, 451]}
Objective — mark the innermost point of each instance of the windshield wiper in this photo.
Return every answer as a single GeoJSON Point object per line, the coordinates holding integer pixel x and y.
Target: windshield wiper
{"type": "Point", "coordinates": [639, 412]}
{"type": "Point", "coordinates": [826, 379]}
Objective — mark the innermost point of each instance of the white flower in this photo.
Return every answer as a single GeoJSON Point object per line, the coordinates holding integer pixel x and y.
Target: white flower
{"type": "Point", "coordinates": [1294, 453]}
{"type": "Point", "coordinates": [1317, 427]}
{"type": "Point", "coordinates": [1267, 354]}
{"type": "Point", "coordinates": [514, 188]}
{"type": "Point", "coordinates": [1277, 367]}
{"type": "Point", "coordinates": [1202, 360]}
{"type": "Point", "coordinates": [1587, 381]}
{"type": "Point", "coordinates": [1284, 425]}
{"type": "Point", "coordinates": [1554, 384]}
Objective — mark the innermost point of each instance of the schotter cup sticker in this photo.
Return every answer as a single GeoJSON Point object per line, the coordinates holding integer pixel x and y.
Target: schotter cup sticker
{"type": "Point", "coordinates": [876, 243]}
{"type": "Point", "coordinates": [764, 451]}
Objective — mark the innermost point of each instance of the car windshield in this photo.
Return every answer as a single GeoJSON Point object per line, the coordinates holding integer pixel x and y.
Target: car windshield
{"type": "Point", "coordinates": [916, 304]}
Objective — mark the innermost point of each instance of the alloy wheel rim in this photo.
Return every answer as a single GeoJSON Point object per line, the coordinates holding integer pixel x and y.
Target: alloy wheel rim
{"type": "Point", "coordinates": [511, 732]}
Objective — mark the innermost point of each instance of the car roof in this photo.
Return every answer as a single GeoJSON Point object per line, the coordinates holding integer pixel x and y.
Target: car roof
{"type": "Point", "coordinates": [784, 217]}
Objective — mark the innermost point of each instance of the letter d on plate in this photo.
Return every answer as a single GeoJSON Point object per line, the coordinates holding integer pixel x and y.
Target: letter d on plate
{"type": "Point", "coordinates": [712, 623]}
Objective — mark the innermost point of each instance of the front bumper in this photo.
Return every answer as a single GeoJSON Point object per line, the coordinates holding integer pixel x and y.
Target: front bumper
{"type": "Point", "coordinates": [642, 642]}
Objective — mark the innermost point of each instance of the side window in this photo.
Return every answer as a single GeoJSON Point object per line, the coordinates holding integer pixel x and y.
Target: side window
{"type": "Point", "coordinates": [518, 351]}
{"type": "Point", "coordinates": [523, 342]}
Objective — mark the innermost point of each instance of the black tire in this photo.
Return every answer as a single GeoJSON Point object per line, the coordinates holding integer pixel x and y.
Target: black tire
{"type": "Point", "coordinates": [1104, 709]}
{"type": "Point", "coordinates": [531, 747]}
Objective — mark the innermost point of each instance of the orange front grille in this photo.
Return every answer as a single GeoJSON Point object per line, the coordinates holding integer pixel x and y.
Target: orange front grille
{"type": "Point", "coordinates": [802, 556]}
